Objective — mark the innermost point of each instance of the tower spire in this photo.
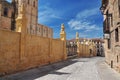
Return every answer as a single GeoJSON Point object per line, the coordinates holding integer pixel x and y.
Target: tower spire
{"type": "Point", "coordinates": [62, 33]}
{"type": "Point", "coordinates": [77, 37]}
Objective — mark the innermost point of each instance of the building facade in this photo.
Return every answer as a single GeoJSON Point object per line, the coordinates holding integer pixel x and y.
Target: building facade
{"type": "Point", "coordinates": [44, 31]}
{"type": "Point", "coordinates": [111, 27]}
{"type": "Point", "coordinates": [85, 47]}
{"type": "Point", "coordinates": [6, 10]}
{"type": "Point", "coordinates": [99, 47]}
{"type": "Point", "coordinates": [10, 11]}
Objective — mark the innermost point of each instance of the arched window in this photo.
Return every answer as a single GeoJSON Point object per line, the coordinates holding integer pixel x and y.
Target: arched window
{"type": "Point", "coordinates": [5, 11]}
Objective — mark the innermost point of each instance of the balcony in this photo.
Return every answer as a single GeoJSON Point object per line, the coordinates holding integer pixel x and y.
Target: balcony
{"type": "Point", "coordinates": [106, 26]}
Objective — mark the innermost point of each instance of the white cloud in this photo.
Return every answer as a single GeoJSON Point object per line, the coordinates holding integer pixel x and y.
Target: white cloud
{"type": "Point", "coordinates": [87, 13]}
{"type": "Point", "coordinates": [46, 14]}
{"type": "Point", "coordinates": [80, 22]}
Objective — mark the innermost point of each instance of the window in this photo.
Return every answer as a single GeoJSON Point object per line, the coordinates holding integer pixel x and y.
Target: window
{"type": "Point", "coordinates": [117, 59]}
{"type": "Point", "coordinates": [39, 29]}
{"type": "Point", "coordinates": [119, 7]}
{"type": "Point", "coordinates": [34, 4]}
{"type": "Point", "coordinates": [109, 44]}
{"type": "Point", "coordinates": [116, 35]}
{"type": "Point", "coordinates": [27, 30]}
{"type": "Point", "coordinates": [111, 20]}
{"type": "Point", "coordinates": [44, 30]}
{"type": "Point", "coordinates": [112, 64]}
{"type": "Point", "coordinates": [28, 2]}
{"type": "Point", "coordinates": [119, 10]}
{"type": "Point", "coordinates": [5, 11]}
{"type": "Point", "coordinates": [30, 27]}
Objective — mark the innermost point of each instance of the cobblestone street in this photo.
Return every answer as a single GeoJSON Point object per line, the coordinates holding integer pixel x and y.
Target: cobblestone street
{"type": "Point", "coordinates": [74, 69]}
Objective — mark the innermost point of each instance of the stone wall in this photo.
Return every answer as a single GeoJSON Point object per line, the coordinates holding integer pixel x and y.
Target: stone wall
{"type": "Point", "coordinates": [5, 23]}
{"type": "Point", "coordinates": [57, 46]}
{"type": "Point", "coordinates": [38, 51]}
{"type": "Point", "coordinates": [6, 11]}
{"type": "Point", "coordinates": [112, 52]}
{"type": "Point", "coordinates": [84, 50]}
{"type": "Point", "coordinates": [9, 51]}
{"type": "Point", "coordinates": [44, 31]}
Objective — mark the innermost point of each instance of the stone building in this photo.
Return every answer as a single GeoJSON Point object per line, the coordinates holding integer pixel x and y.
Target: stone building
{"type": "Point", "coordinates": [71, 47]}
{"type": "Point", "coordinates": [22, 51]}
{"type": "Point", "coordinates": [111, 13]}
{"type": "Point", "coordinates": [85, 47]}
{"type": "Point", "coordinates": [10, 11]}
{"type": "Point", "coordinates": [99, 46]}
{"type": "Point", "coordinates": [44, 31]}
{"type": "Point", "coordinates": [6, 10]}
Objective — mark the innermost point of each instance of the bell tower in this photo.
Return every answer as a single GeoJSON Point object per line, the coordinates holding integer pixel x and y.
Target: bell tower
{"type": "Point", "coordinates": [62, 33]}
{"type": "Point", "coordinates": [77, 37]}
{"type": "Point", "coordinates": [31, 7]}
{"type": "Point", "coordinates": [77, 43]}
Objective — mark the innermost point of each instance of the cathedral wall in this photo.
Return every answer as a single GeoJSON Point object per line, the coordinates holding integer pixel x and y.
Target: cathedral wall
{"type": "Point", "coordinates": [38, 51]}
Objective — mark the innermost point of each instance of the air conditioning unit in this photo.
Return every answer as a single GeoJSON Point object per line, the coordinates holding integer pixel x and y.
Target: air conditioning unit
{"type": "Point", "coordinates": [106, 36]}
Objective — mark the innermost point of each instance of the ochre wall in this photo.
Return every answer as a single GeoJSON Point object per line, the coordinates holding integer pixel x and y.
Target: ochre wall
{"type": "Point", "coordinates": [9, 51]}
{"type": "Point", "coordinates": [5, 23]}
{"type": "Point", "coordinates": [57, 46]}
{"type": "Point", "coordinates": [38, 51]}
{"type": "Point", "coordinates": [84, 50]}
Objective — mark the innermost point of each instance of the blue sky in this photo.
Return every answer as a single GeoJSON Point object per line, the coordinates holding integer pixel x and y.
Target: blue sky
{"type": "Point", "coordinates": [78, 16]}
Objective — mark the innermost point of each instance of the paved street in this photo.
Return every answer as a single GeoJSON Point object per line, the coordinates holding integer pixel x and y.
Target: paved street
{"type": "Point", "coordinates": [74, 69]}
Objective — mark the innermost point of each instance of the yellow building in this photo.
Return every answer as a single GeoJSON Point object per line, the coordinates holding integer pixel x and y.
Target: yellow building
{"type": "Point", "coordinates": [12, 11]}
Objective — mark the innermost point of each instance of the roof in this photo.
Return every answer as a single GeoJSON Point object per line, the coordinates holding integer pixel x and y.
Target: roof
{"type": "Point", "coordinates": [82, 39]}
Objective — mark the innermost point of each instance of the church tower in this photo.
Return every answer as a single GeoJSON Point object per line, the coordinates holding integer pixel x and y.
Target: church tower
{"type": "Point", "coordinates": [31, 14]}
{"type": "Point", "coordinates": [77, 37]}
{"type": "Point", "coordinates": [62, 33]}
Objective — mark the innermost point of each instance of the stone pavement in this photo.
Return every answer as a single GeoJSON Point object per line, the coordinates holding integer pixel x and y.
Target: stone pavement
{"type": "Point", "coordinates": [73, 69]}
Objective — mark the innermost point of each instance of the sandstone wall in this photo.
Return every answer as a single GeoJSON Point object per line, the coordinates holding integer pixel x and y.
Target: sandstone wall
{"type": "Point", "coordinates": [9, 51]}
{"type": "Point", "coordinates": [5, 23]}
{"type": "Point", "coordinates": [85, 50]}
{"type": "Point", "coordinates": [57, 46]}
{"type": "Point", "coordinates": [38, 50]}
